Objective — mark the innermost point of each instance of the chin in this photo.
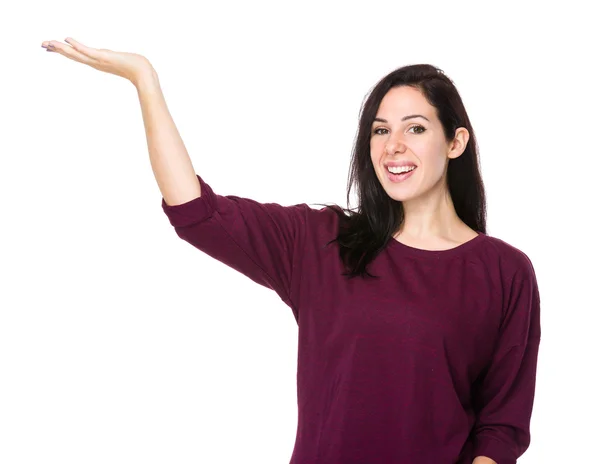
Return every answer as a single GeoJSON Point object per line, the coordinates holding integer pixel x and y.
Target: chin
{"type": "Point", "coordinates": [398, 192]}
{"type": "Point", "coordinates": [399, 197]}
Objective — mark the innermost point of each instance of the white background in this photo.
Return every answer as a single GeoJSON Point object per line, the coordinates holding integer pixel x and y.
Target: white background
{"type": "Point", "coordinates": [121, 343]}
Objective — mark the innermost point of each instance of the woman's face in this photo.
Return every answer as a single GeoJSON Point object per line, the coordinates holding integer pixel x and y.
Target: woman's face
{"type": "Point", "coordinates": [400, 134]}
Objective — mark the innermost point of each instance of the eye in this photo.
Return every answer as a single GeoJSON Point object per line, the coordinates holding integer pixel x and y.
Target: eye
{"type": "Point", "coordinates": [376, 131]}
{"type": "Point", "coordinates": [421, 127]}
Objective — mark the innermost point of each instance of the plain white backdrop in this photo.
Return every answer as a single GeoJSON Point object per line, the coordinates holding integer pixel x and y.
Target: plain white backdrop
{"type": "Point", "coordinates": [121, 343]}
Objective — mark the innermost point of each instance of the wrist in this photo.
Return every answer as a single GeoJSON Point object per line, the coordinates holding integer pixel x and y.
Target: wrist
{"type": "Point", "coordinates": [144, 79]}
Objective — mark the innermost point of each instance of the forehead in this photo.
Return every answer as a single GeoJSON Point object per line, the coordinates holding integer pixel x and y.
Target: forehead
{"type": "Point", "coordinates": [404, 100]}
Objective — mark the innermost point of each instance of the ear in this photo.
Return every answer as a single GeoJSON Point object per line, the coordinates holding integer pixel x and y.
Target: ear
{"type": "Point", "coordinates": [458, 145]}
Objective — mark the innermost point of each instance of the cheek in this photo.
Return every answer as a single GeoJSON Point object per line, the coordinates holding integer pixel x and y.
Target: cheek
{"type": "Point", "coordinates": [376, 149]}
{"type": "Point", "coordinates": [373, 152]}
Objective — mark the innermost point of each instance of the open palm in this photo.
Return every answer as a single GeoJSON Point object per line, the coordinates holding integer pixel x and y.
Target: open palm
{"type": "Point", "coordinates": [128, 65]}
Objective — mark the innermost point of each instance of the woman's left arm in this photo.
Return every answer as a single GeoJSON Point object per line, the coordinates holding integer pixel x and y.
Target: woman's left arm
{"type": "Point", "coordinates": [503, 394]}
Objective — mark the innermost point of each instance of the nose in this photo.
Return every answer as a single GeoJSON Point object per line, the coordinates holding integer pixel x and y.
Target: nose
{"type": "Point", "coordinates": [394, 145]}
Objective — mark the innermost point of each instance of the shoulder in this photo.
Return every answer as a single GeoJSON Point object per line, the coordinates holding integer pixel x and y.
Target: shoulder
{"type": "Point", "coordinates": [323, 221]}
{"type": "Point", "coordinates": [513, 261]}
{"type": "Point", "coordinates": [326, 216]}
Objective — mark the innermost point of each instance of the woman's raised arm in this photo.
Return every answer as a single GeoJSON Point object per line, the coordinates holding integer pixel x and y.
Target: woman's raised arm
{"type": "Point", "coordinates": [170, 161]}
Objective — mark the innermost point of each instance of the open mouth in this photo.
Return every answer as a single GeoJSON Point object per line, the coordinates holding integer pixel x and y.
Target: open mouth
{"type": "Point", "coordinates": [400, 176]}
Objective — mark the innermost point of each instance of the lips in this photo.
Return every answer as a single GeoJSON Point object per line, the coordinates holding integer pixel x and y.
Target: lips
{"type": "Point", "coordinates": [395, 178]}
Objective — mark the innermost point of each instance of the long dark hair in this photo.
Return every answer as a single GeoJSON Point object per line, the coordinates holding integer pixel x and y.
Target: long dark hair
{"type": "Point", "coordinates": [364, 233]}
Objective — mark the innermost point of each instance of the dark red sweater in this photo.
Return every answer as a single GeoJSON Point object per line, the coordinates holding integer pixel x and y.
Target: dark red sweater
{"type": "Point", "coordinates": [434, 363]}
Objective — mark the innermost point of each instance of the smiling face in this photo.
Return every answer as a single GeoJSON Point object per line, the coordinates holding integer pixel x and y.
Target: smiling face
{"type": "Point", "coordinates": [406, 129]}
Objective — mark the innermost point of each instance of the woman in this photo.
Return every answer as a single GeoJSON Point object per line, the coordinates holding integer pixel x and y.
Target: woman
{"type": "Point", "coordinates": [418, 332]}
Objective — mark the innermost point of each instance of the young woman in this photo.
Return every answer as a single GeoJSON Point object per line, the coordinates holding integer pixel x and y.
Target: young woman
{"type": "Point", "coordinates": [418, 332]}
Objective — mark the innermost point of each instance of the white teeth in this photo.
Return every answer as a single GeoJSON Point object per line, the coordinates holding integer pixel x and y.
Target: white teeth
{"type": "Point", "coordinates": [398, 170]}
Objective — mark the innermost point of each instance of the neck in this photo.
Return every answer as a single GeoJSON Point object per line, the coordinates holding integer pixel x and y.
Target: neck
{"type": "Point", "coordinates": [431, 216]}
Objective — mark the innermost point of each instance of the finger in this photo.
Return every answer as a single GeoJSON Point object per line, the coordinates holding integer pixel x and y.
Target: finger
{"type": "Point", "coordinates": [70, 52]}
{"type": "Point", "coordinates": [84, 50]}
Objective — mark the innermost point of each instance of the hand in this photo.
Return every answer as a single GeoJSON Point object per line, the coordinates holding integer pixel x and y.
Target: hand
{"type": "Point", "coordinates": [131, 66]}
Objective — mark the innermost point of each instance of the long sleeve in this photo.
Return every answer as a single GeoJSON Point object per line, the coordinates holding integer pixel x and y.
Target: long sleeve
{"type": "Point", "coordinates": [504, 393]}
{"type": "Point", "coordinates": [263, 241]}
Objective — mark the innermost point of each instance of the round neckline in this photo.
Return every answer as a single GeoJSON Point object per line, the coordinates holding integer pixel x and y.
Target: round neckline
{"type": "Point", "coordinates": [449, 252]}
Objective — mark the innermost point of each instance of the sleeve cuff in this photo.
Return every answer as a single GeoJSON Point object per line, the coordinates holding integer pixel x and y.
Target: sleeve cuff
{"type": "Point", "coordinates": [493, 449]}
{"type": "Point", "coordinates": [193, 211]}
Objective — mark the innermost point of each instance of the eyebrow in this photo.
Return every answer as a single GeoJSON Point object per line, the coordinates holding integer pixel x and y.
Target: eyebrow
{"type": "Point", "coordinates": [404, 118]}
